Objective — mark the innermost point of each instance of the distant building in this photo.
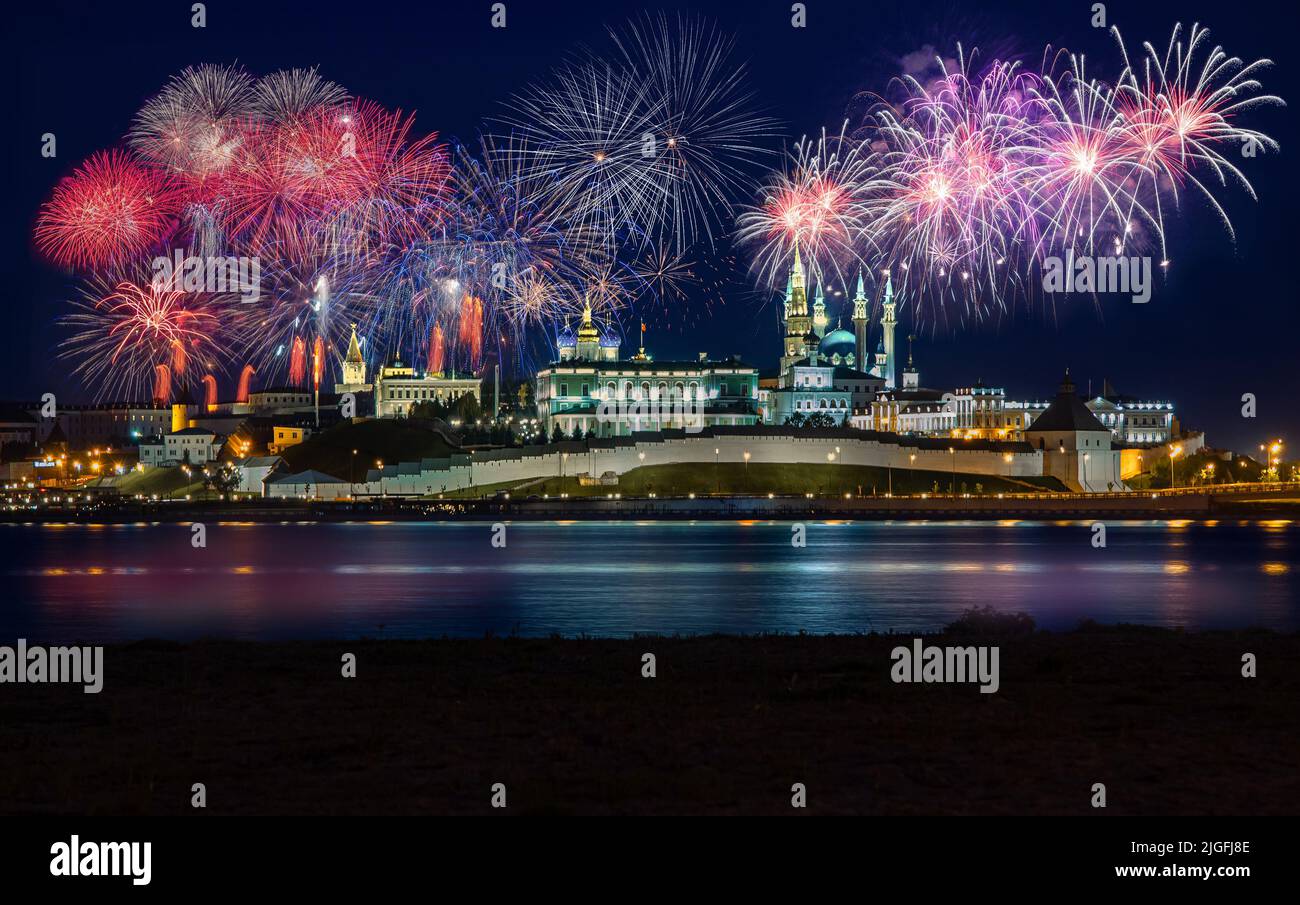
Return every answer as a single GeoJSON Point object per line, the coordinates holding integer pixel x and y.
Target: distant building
{"type": "Point", "coordinates": [590, 390]}
{"type": "Point", "coordinates": [193, 444]}
{"type": "Point", "coordinates": [808, 388]}
{"type": "Point", "coordinates": [307, 484]}
{"type": "Point", "coordinates": [912, 409]}
{"type": "Point", "coordinates": [1077, 448]}
{"type": "Point", "coordinates": [398, 387]}
{"type": "Point", "coordinates": [254, 471]}
{"type": "Point", "coordinates": [284, 436]}
{"type": "Point", "coordinates": [17, 427]}
{"type": "Point", "coordinates": [354, 368]}
{"type": "Point", "coordinates": [108, 424]}
{"type": "Point", "coordinates": [277, 400]}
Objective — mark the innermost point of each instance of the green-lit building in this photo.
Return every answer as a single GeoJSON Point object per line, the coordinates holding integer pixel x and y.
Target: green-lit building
{"type": "Point", "coordinates": [589, 389]}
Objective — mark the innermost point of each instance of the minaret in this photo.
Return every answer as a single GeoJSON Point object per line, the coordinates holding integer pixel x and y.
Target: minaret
{"type": "Point", "coordinates": [861, 321]}
{"type": "Point", "coordinates": [797, 321]}
{"type": "Point", "coordinates": [819, 312]}
{"type": "Point", "coordinates": [887, 323]}
{"type": "Point", "coordinates": [882, 359]}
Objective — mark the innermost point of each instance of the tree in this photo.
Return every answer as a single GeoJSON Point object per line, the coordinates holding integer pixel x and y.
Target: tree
{"type": "Point", "coordinates": [557, 433]}
{"type": "Point", "coordinates": [795, 420]}
{"type": "Point", "coordinates": [820, 419]}
{"type": "Point", "coordinates": [428, 410]}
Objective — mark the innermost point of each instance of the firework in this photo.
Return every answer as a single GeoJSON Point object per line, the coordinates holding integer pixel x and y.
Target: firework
{"type": "Point", "coordinates": [392, 184]}
{"type": "Point", "coordinates": [649, 147]}
{"type": "Point", "coordinates": [194, 125]}
{"type": "Point", "coordinates": [289, 94]}
{"type": "Point", "coordinates": [111, 209]}
{"type": "Point", "coordinates": [823, 202]}
{"type": "Point", "coordinates": [133, 334]}
{"type": "Point", "coordinates": [1179, 112]}
{"type": "Point", "coordinates": [701, 119]}
{"type": "Point", "coordinates": [974, 179]}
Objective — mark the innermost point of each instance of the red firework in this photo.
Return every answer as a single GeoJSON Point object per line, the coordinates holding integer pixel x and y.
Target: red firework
{"type": "Point", "coordinates": [393, 184]}
{"type": "Point", "coordinates": [109, 210]}
{"type": "Point", "coordinates": [245, 381]}
{"type": "Point", "coordinates": [470, 331]}
{"type": "Point", "coordinates": [435, 349]}
{"type": "Point", "coordinates": [267, 198]}
{"type": "Point", "coordinates": [298, 362]}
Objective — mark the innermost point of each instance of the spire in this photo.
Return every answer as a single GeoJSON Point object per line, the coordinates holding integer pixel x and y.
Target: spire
{"type": "Point", "coordinates": [818, 294]}
{"type": "Point", "coordinates": [1067, 385]}
{"type": "Point", "coordinates": [796, 273]}
{"type": "Point", "coordinates": [889, 289]}
{"type": "Point", "coordinates": [909, 352]}
{"type": "Point", "coordinates": [354, 348]}
{"type": "Point", "coordinates": [862, 291]}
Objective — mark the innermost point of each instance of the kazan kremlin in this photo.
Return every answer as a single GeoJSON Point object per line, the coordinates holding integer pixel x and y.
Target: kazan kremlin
{"type": "Point", "coordinates": [832, 398]}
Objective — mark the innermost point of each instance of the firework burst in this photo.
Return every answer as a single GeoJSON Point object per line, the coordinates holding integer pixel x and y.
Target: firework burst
{"type": "Point", "coordinates": [110, 210]}
{"type": "Point", "coordinates": [132, 335]}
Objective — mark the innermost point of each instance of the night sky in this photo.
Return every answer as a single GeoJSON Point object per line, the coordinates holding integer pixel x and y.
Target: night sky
{"type": "Point", "coordinates": [1223, 324]}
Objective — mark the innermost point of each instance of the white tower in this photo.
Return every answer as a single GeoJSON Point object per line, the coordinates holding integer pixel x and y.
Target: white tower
{"type": "Point", "coordinates": [819, 312]}
{"type": "Point", "coordinates": [861, 321]}
{"type": "Point", "coordinates": [887, 323]}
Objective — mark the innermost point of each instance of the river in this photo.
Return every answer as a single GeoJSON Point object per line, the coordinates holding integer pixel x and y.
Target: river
{"type": "Point", "coordinates": [110, 583]}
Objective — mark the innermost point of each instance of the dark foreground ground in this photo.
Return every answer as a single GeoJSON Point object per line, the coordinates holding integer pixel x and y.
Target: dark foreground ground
{"type": "Point", "coordinates": [1164, 719]}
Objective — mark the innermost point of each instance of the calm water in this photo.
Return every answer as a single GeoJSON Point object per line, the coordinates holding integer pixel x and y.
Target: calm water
{"type": "Point", "coordinates": [125, 582]}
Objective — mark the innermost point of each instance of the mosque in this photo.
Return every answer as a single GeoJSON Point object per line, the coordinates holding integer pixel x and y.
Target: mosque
{"type": "Point", "coordinates": [828, 371]}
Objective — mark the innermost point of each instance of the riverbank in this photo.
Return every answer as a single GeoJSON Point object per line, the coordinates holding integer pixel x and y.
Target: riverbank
{"type": "Point", "coordinates": [1280, 502]}
{"type": "Point", "coordinates": [1163, 718]}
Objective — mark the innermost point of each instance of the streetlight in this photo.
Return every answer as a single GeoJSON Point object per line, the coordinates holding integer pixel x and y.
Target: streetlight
{"type": "Point", "coordinates": [953, 453]}
{"type": "Point", "coordinates": [746, 455]}
{"type": "Point", "coordinates": [830, 457]}
{"type": "Point", "coordinates": [911, 469]}
{"type": "Point", "coordinates": [1174, 452]}
{"type": "Point", "coordinates": [352, 474]}
{"type": "Point", "coordinates": [717, 479]}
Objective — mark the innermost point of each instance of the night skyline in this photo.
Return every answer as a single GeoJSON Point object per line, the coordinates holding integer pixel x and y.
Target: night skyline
{"type": "Point", "coordinates": [1217, 328]}
{"type": "Point", "coordinates": [718, 408]}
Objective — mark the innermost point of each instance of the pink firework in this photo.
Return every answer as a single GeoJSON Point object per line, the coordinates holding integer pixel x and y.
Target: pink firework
{"type": "Point", "coordinates": [823, 202]}
{"type": "Point", "coordinates": [111, 209]}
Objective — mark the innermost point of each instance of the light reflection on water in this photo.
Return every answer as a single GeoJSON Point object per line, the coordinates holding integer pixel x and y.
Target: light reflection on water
{"type": "Point", "coordinates": [398, 579]}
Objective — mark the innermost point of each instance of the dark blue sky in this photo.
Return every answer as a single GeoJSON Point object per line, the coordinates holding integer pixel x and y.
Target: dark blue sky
{"type": "Point", "coordinates": [1224, 324]}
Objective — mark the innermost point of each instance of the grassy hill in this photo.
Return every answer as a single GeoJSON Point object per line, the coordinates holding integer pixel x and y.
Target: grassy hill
{"type": "Point", "coordinates": [762, 478]}
{"type": "Point", "coordinates": [387, 440]}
